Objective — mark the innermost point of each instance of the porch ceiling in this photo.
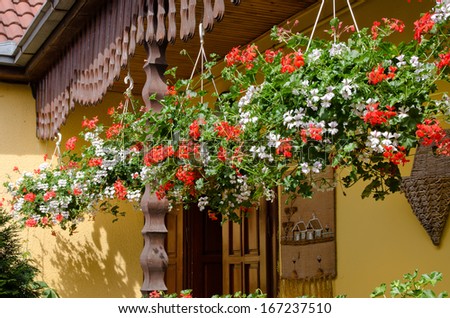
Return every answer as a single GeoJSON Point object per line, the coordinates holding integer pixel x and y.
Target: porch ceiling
{"type": "Point", "coordinates": [241, 25]}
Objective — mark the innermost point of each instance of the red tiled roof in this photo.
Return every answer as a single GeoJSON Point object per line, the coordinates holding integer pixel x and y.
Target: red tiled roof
{"type": "Point", "coordinates": [16, 16]}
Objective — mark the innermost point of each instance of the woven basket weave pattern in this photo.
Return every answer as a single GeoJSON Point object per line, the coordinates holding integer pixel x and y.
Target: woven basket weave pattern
{"type": "Point", "coordinates": [428, 191]}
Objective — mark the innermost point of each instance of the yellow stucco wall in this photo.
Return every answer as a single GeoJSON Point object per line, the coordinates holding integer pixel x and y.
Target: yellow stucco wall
{"type": "Point", "coordinates": [376, 241]}
{"type": "Point", "coordinates": [102, 259]}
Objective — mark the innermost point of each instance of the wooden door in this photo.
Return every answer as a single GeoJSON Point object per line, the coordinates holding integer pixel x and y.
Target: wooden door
{"type": "Point", "coordinates": [213, 259]}
{"type": "Point", "coordinates": [174, 248]}
{"type": "Point", "coordinates": [244, 253]}
{"type": "Point", "coordinates": [202, 253]}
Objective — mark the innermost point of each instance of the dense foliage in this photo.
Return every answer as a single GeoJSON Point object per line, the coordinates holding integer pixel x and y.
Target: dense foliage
{"type": "Point", "coordinates": [358, 102]}
{"type": "Point", "coordinates": [16, 272]}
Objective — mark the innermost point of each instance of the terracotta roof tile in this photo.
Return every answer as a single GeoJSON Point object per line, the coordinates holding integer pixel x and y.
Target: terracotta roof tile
{"type": "Point", "coordinates": [16, 16]}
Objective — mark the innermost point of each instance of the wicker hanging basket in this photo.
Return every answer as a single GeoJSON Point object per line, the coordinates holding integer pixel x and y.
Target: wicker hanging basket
{"type": "Point", "coordinates": [428, 191]}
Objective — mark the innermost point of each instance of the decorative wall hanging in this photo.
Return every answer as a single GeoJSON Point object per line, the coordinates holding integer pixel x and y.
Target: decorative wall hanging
{"type": "Point", "coordinates": [428, 190]}
{"type": "Point", "coordinates": [308, 245]}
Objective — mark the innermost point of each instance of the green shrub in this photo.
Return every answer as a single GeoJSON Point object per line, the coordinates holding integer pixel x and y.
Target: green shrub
{"type": "Point", "coordinates": [16, 272]}
{"type": "Point", "coordinates": [413, 286]}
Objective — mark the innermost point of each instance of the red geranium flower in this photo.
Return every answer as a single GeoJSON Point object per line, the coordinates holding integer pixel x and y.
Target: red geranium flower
{"type": "Point", "coordinates": [270, 55]}
{"type": "Point", "coordinates": [233, 57]}
{"type": "Point", "coordinates": [49, 195]}
{"type": "Point", "coordinates": [186, 175]}
{"type": "Point", "coordinates": [77, 191]}
{"type": "Point", "coordinates": [444, 60]}
{"type": "Point", "coordinates": [121, 190]}
{"type": "Point", "coordinates": [114, 130]}
{"type": "Point", "coordinates": [222, 154]}
{"type": "Point", "coordinates": [248, 56]}
{"type": "Point", "coordinates": [31, 223]}
{"type": "Point", "coordinates": [423, 25]}
{"type": "Point", "coordinates": [171, 90]}
{"type": "Point", "coordinates": [154, 294]}
{"type": "Point", "coordinates": [30, 197]}
{"type": "Point", "coordinates": [157, 154]}
{"type": "Point", "coordinates": [224, 129]}
{"type": "Point", "coordinates": [285, 148]}
{"type": "Point", "coordinates": [162, 190]}
{"type": "Point", "coordinates": [90, 123]}
{"type": "Point", "coordinates": [71, 143]}
{"type": "Point", "coordinates": [95, 162]}
{"type": "Point", "coordinates": [375, 116]}
{"type": "Point", "coordinates": [194, 130]}
{"type": "Point", "coordinates": [212, 216]}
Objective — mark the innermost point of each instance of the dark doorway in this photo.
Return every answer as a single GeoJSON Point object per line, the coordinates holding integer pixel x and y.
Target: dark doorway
{"type": "Point", "coordinates": [202, 254]}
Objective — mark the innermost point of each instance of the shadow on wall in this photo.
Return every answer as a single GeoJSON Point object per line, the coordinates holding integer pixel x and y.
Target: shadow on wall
{"type": "Point", "coordinates": [103, 263]}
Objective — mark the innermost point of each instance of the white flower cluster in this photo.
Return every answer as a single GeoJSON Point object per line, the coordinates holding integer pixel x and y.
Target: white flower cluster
{"type": "Point", "coordinates": [316, 167]}
{"type": "Point", "coordinates": [294, 118]}
{"type": "Point", "coordinates": [42, 186]}
{"type": "Point", "coordinates": [338, 49]}
{"type": "Point", "coordinates": [333, 128]}
{"type": "Point", "coordinates": [96, 141]}
{"type": "Point", "coordinates": [247, 98]}
{"type": "Point", "coordinates": [314, 56]}
{"type": "Point", "coordinates": [246, 116]}
{"type": "Point", "coordinates": [424, 71]}
{"type": "Point", "coordinates": [109, 192]}
{"type": "Point", "coordinates": [261, 153]}
{"type": "Point", "coordinates": [273, 140]}
{"type": "Point", "coordinates": [444, 103]}
{"type": "Point", "coordinates": [326, 99]}
{"type": "Point", "coordinates": [100, 176]}
{"type": "Point", "coordinates": [202, 203]}
{"type": "Point", "coordinates": [134, 196]}
{"type": "Point", "coordinates": [441, 12]}
{"type": "Point", "coordinates": [378, 140]}
{"type": "Point", "coordinates": [347, 89]}
{"type": "Point", "coordinates": [243, 190]}
{"type": "Point", "coordinates": [19, 205]}
{"type": "Point", "coordinates": [269, 194]}
{"type": "Point", "coordinates": [400, 61]}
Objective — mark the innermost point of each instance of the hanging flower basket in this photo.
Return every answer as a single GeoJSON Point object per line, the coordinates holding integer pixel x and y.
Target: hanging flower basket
{"type": "Point", "coordinates": [357, 101]}
{"type": "Point", "coordinates": [428, 191]}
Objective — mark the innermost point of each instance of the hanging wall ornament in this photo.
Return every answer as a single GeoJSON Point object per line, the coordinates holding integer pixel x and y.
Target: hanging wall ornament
{"type": "Point", "coordinates": [428, 191]}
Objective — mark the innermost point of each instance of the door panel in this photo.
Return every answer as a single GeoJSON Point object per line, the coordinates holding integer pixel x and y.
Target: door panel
{"type": "Point", "coordinates": [244, 258]}
{"type": "Point", "coordinates": [174, 248]}
{"type": "Point", "coordinates": [203, 254]}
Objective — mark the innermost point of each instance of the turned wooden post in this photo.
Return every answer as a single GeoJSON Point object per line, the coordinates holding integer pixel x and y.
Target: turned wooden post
{"type": "Point", "coordinates": [154, 258]}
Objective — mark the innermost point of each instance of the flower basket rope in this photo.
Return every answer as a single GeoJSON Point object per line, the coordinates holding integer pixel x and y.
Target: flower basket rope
{"type": "Point", "coordinates": [428, 190]}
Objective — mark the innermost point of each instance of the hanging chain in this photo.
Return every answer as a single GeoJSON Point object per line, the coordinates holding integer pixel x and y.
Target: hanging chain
{"type": "Point", "coordinates": [203, 59]}
{"type": "Point", "coordinates": [334, 16]}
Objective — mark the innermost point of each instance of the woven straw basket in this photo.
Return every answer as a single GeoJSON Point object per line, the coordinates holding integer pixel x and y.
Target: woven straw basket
{"type": "Point", "coordinates": [428, 191]}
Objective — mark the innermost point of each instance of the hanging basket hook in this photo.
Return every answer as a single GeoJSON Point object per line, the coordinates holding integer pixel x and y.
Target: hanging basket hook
{"type": "Point", "coordinates": [58, 138]}
{"type": "Point", "coordinates": [334, 16]}
{"type": "Point", "coordinates": [126, 80]}
{"type": "Point", "coordinates": [201, 33]}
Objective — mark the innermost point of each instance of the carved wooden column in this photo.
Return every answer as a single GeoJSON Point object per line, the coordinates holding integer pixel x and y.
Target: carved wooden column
{"type": "Point", "coordinates": [154, 68]}
{"type": "Point", "coordinates": [154, 258]}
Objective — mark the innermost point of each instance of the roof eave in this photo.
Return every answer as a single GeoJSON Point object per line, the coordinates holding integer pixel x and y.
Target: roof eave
{"type": "Point", "coordinates": [45, 22]}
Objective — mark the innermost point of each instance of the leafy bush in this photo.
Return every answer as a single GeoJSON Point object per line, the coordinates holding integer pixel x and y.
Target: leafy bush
{"type": "Point", "coordinates": [16, 272]}
{"type": "Point", "coordinates": [413, 286]}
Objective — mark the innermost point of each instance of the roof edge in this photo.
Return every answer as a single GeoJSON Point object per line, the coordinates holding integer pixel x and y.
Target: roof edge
{"type": "Point", "coordinates": [42, 26]}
